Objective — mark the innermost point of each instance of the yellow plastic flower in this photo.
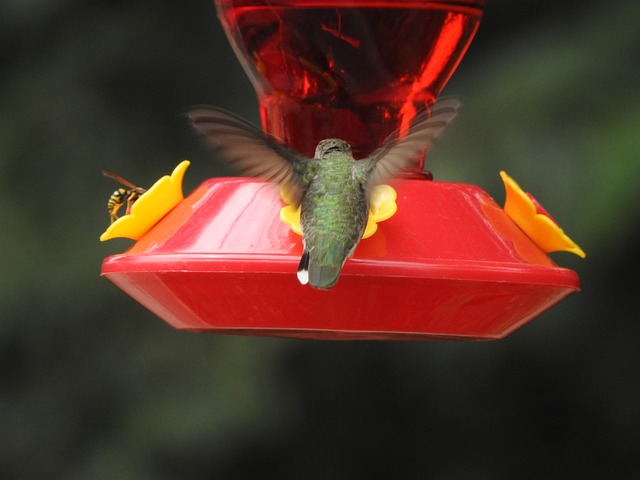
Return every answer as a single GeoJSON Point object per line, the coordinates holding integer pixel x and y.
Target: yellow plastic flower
{"type": "Point", "coordinates": [150, 207]}
{"type": "Point", "coordinates": [381, 207]}
{"type": "Point", "coordinates": [529, 215]}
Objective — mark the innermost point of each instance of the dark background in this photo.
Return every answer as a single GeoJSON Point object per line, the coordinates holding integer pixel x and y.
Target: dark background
{"type": "Point", "coordinates": [93, 386]}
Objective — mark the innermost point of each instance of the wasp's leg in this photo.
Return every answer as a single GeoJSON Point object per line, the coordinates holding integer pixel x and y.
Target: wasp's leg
{"type": "Point", "coordinates": [113, 214]}
{"type": "Point", "coordinates": [133, 196]}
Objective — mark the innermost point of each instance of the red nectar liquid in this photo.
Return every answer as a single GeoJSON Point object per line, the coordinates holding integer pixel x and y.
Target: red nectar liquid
{"type": "Point", "coordinates": [357, 70]}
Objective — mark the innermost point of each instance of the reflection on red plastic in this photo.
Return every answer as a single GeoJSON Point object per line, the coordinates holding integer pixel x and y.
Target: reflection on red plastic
{"type": "Point", "coordinates": [355, 70]}
{"type": "Point", "coordinates": [449, 264]}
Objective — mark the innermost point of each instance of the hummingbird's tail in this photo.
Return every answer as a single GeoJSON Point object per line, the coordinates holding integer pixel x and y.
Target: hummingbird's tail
{"type": "Point", "coordinates": [303, 268]}
{"type": "Point", "coordinates": [322, 277]}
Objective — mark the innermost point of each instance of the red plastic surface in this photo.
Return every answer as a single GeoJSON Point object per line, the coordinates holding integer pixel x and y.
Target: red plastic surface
{"type": "Point", "coordinates": [449, 264]}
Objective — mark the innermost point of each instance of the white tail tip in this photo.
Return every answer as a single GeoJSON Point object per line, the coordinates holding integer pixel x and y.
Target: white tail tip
{"type": "Point", "coordinates": [303, 276]}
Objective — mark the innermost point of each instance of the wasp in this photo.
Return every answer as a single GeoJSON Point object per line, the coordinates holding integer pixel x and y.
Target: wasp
{"type": "Point", "coordinates": [122, 195]}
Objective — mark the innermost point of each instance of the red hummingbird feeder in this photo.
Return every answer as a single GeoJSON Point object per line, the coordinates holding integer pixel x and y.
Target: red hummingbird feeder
{"type": "Point", "coordinates": [450, 263]}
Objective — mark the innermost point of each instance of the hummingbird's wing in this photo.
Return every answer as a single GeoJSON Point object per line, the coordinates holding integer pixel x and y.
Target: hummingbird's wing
{"type": "Point", "coordinates": [397, 154]}
{"type": "Point", "coordinates": [250, 151]}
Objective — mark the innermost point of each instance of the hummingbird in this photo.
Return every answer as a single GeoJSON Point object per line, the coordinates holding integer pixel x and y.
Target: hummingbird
{"type": "Point", "coordinates": [332, 188]}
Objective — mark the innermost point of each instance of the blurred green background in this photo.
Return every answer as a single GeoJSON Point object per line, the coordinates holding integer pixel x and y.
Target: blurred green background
{"type": "Point", "coordinates": [93, 386]}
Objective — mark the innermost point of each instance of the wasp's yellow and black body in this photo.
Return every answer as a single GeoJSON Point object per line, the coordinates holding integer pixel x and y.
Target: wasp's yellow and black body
{"type": "Point", "coordinates": [121, 195]}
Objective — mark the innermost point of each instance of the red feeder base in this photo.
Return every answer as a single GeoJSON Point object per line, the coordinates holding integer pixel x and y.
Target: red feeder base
{"type": "Point", "coordinates": [449, 264]}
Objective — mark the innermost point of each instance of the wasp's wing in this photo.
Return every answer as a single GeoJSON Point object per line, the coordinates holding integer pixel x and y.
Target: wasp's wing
{"type": "Point", "coordinates": [249, 150]}
{"type": "Point", "coordinates": [121, 180]}
{"type": "Point", "coordinates": [400, 153]}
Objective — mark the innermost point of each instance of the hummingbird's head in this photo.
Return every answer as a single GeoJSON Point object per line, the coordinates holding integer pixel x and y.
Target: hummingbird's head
{"type": "Point", "coordinates": [332, 145]}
